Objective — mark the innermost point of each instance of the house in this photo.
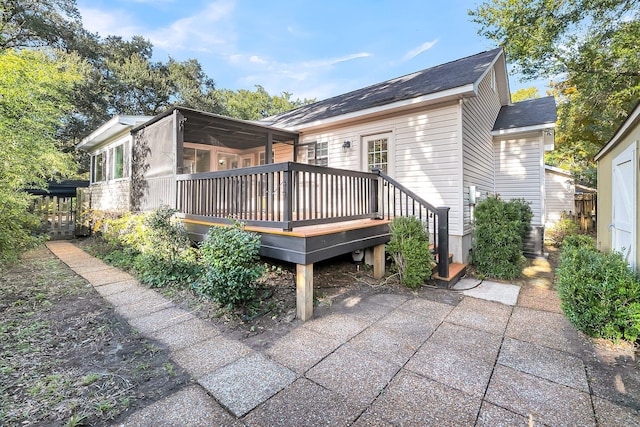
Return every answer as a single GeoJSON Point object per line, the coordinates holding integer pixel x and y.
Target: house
{"type": "Point", "coordinates": [428, 144]}
{"type": "Point", "coordinates": [560, 193]}
{"type": "Point", "coordinates": [447, 133]}
{"type": "Point", "coordinates": [618, 190]}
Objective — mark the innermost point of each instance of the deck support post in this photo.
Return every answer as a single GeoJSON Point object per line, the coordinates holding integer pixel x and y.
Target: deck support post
{"type": "Point", "coordinates": [304, 291]}
{"type": "Point", "coordinates": [378, 261]}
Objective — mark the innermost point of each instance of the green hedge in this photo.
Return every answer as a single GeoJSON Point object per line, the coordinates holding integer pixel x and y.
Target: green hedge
{"type": "Point", "coordinates": [153, 245]}
{"type": "Point", "coordinates": [409, 250]}
{"type": "Point", "coordinates": [231, 265]}
{"type": "Point", "coordinates": [600, 294]}
{"type": "Point", "coordinates": [500, 229]}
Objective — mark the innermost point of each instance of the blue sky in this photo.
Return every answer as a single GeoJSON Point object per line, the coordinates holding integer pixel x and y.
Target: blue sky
{"type": "Point", "coordinates": [312, 49]}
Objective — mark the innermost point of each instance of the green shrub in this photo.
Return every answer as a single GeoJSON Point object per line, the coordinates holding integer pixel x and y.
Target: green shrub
{"type": "Point", "coordinates": [500, 230]}
{"type": "Point", "coordinates": [578, 241]}
{"type": "Point", "coordinates": [153, 245]}
{"type": "Point", "coordinates": [20, 229]}
{"type": "Point", "coordinates": [231, 265]}
{"type": "Point", "coordinates": [600, 294]}
{"type": "Point", "coordinates": [409, 250]}
{"type": "Point", "coordinates": [561, 230]}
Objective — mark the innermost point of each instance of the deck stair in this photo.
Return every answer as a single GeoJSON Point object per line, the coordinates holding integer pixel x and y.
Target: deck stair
{"type": "Point", "coordinates": [456, 272]}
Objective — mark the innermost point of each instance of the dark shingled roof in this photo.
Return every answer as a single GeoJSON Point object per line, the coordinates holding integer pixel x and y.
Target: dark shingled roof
{"type": "Point", "coordinates": [432, 80]}
{"type": "Point", "coordinates": [531, 112]}
{"type": "Point", "coordinates": [61, 189]}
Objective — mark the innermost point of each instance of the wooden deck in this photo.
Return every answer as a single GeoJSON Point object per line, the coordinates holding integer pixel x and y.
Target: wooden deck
{"type": "Point", "coordinates": [306, 245]}
{"type": "Point", "coordinates": [305, 214]}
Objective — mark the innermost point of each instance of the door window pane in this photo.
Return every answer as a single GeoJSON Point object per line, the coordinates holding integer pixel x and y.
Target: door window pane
{"type": "Point", "coordinates": [203, 160]}
{"type": "Point", "coordinates": [377, 154]}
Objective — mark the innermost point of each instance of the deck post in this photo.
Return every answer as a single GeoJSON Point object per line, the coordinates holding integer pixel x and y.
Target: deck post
{"type": "Point", "coordinates": [378, 261]}
{"type": "Point", "coordinates": [304, 291]}
{"type": "Point", "coordinates": [443, 241]}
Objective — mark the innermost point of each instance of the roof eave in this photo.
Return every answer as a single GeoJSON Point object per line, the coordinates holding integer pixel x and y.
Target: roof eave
{"type": "Point", "coordinates": [114, 126]}
{"type": "Point", "coordinates": [505, 97]}
{"type": "Point", "coordinates": [621, 132]}
{"type": "Point", "coordinates": [523, 129]}
{"type": "Point", "coordinates": [455, 93]}
{"type": "Point", "coordinates": [558, 170]}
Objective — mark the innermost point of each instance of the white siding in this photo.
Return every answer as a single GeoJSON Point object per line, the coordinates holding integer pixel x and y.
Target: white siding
{"type": "Point", "coordinates": [478, 117]}
{"type": "Point", "coordinates": [520, 172]}
{"type": "Point", "coordinates": [559, 195]}
{"type": "Point", "coordinates": [424, 145]}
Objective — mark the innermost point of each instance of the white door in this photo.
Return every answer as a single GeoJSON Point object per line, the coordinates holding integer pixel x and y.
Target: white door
{"type": "Point", "coordinates": [623, 228]}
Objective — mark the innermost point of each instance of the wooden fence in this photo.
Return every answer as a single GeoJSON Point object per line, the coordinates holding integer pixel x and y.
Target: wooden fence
{"type": "Point", "coordinates": [585, 211]}
{"type": "Point", "coordinates": [58, 216]}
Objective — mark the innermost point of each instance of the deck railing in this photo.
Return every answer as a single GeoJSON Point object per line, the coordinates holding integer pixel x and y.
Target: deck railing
{"type": "Point", "coordinates": [398, 200]}
{"type": "Point", "coordinates": [288, 195]}
{"type": "Point", "coordinates": [283, 195]}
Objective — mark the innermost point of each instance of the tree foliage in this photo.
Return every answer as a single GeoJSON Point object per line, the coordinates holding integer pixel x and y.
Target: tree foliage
{"type": "Point", "coordinates": [524, 94]}
{"type": "Point", "coordinates": [35, 88]}
{"type": "Point", "coordinates": [587, 49]}
{"type": "Point", "coordinates": [38, 23]}
{"type": "Point", "coordinates": [258, 104]}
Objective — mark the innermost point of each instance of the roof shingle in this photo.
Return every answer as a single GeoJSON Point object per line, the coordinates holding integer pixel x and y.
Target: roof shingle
{"type": "Point", "coordinates": [531, 112]}
{"type": "Point", "coordinates": [443, 77]}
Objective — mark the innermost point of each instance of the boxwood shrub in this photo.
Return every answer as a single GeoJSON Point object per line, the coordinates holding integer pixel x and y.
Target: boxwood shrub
{"type": "Point", "coordinates": [600, 294]}
{"type": "Point", "coordinates": [231, 265]}
{"type": "Point", "coordinates": [409, 250]}
{"type": "Point", "coordinates": [500, 229]}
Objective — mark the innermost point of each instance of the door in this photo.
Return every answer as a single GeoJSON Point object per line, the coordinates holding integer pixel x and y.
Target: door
{"type": "Point", "coordinates": [623, 227]}
{"type": "Point", "coordinates": [377, 153]}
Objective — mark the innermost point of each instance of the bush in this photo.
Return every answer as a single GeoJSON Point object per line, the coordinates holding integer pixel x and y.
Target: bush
{"type": "Point", "coordinates": [409, 249]}
{"type": "Point", "coordinates": [231, 265]}
{"type": "Point", "coordinates": [561, 230]}
{"type": "Point", "coordinates": [600, 294]}
{"type": "Point", "coordinates": [19, 228]}
{"type": "Point", "coordinates": [500, 230]}
{"type": "Point", "coordinates": [154, 246]}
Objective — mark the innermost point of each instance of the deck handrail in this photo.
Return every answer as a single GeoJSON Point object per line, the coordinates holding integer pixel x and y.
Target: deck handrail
{"type": "Point", "coordinates": [284, 195]}
{"type": "Point", "coordinates": [398, 197]}
{"type": "Point", "coordinates": [289, 194]}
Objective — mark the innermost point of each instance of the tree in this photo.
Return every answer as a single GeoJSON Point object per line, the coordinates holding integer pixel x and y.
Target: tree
{"type": "Point", "coordinates": [588, 48]}
{"type": "Point", "coordinates": [38, 23]}
{"type": "Point", "coordinates": [35, 88]}
{"type": "Point", "coordinates": [524, 94]}
{"type": "Point", "coordinates": [258, 104]}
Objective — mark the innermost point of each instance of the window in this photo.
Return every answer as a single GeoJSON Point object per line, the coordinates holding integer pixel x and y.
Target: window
{"type": "Point", "coordinates": [493, 79]}
{"type": "Point", "coordinates": [97, 166]}
{"type": "Point", "coordinates": [196, 160]}
{"type": "Point", "coordinates": [118, 162]}
{"type": "Point", "coordinates": [314, 153]}
{"type": "Point", "coordinates": [378, 154]}
{"type": "Point", "coordinates": [322, 154]}
{"type": "Point", "coordinates": [262, 157]}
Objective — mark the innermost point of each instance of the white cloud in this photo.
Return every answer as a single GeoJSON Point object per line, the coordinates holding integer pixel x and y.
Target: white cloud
{"type": "Point", "coordinates": [304, 79]}
{"type": "Point", "coordinates": [418, 50]}
{"type": "Point", "coordinates": [203, 31]}
{"type": "Point", "coordinates": [257, 60]}
{"type": "Point", "coordinates": [330, 62]}
{"type": "Point", "coordinates": [108, 23]}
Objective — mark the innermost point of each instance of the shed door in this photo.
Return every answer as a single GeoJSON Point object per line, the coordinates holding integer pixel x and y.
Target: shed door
{"type": "Point", "coordinates": [624, 205]}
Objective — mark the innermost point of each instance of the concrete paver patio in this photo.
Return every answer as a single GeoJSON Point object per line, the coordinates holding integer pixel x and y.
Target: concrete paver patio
{"type": "Point", "coordinates": [384, 360]}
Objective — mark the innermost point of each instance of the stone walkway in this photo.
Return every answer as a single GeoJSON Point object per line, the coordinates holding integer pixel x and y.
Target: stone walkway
{"type": "Point", "coordinates": [381, 361]}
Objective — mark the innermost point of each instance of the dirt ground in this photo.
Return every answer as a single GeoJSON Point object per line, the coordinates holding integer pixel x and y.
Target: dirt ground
{"type": "Point", "coordinates": [66, 358]}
